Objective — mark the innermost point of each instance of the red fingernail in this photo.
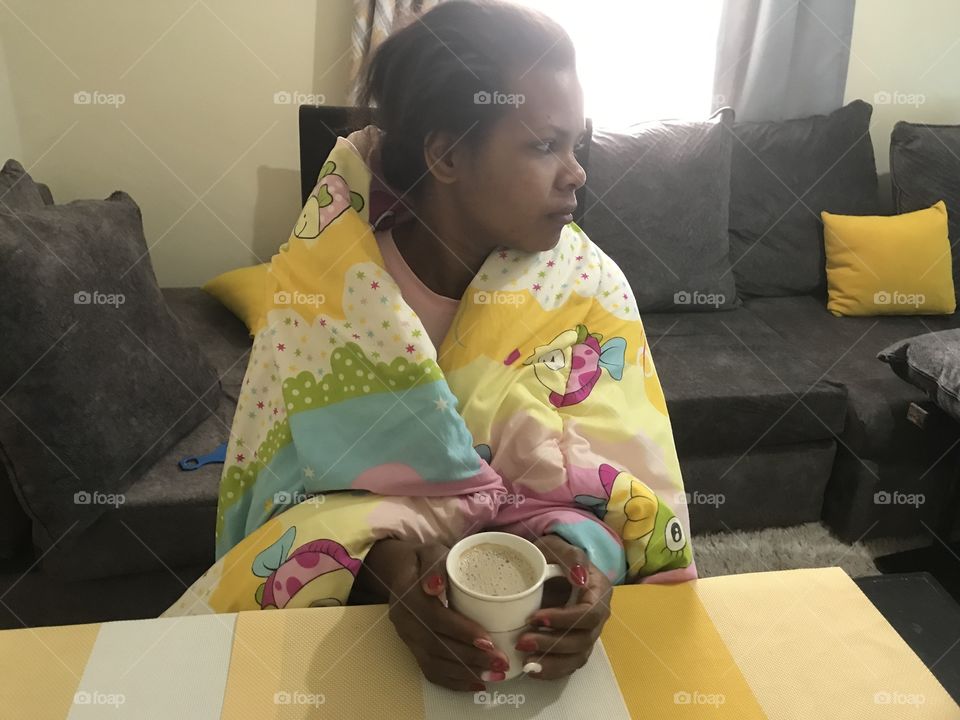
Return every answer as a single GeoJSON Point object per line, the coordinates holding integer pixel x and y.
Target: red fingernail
{"type": "Point", "coordinates": [579, 574]}
{"type": "Point", "coordinates": [540, 620]}
{"type": "Point", "coordinates": [483, 644]}
{"type": "Point", "coordinates": [434, 583]}
{"type": "Point", "coordinates": [499, 665]}
{"type": "Point", "coordinates": [527, 645]}
{"type": "Point", "coordinates": [478, 687]}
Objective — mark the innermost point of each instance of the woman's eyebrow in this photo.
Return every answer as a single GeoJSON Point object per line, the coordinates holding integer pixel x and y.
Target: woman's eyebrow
{"type": "Point", "coordinates": [563, 133]}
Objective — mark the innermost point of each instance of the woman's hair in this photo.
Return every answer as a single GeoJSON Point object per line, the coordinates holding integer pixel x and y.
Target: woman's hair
{"type": "Point", "coordinates": [441, 71]}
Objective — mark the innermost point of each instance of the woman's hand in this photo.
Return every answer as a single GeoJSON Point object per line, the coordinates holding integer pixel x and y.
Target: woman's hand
{"type": "Point", "coordinates": [571, 632]}
{"type": "Point", "coordinates": [452, 651]}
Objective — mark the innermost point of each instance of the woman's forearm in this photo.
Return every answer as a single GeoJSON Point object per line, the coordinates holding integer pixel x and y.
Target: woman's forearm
{"type": "Point", "coordinates": [375, 579]}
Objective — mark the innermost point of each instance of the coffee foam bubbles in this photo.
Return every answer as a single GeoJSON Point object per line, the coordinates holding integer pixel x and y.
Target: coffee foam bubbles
{"type": "Point", "coordinates": [495, 570]}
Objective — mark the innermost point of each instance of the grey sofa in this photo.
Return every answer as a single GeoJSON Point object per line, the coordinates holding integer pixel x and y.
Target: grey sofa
{"type": "Point", "coordinates": [781, 412]}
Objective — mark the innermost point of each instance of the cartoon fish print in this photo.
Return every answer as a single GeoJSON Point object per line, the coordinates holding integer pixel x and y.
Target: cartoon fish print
{"type": "Point", "coordinates": [313, 575]}
{"type": "Point", "coordinates": [572, 363]}
{"type": "Point", "coordinates": [653, 537]}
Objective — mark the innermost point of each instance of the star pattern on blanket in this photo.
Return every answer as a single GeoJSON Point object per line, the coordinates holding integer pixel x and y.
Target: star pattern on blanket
{"type": "Point", "coordinates": [574, 257]}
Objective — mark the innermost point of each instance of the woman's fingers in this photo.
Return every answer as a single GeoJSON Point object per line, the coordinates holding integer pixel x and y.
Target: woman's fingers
{"type": "Point", "coordinates": [585, 615]}
{"type": "Point", "coordinates": [570, 557]}
{"type": "Point", "coordinates": [452, 670]}
{"type": "Point", "coordinates": [448, 648]}
{"type": "Point", "coordinates": [439, 630]}
{"type": "Point", "coordinates": [433, 570]}
{"type": "Point", "coordinates": [557, 666]}
{"type": "Point", "coordinates": [591, 610]}
{"type": "Point", "coordinates": [570, 642]}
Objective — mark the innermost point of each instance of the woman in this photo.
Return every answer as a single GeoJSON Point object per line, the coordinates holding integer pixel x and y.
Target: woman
{"type": "Point", "coordinates": [479, 112]}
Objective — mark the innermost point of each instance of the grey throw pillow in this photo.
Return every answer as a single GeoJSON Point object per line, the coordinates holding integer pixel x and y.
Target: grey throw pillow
{"type": "Point", "coordinates": [18, 191]}
{"type": "Point", "coordinates": [784, 174]}
{"type": "Point", "coordinates": [98, 379]}
{"type": "Point", "coordinates": [931, 362]}
{"type": "Point", "coordinates": [924, 169]}
{"type": "Point", "coordinates": [657, 203]}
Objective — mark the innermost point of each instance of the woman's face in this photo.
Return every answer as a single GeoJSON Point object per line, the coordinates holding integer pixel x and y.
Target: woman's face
{"type": "Point", "coordinates": [518, 187]}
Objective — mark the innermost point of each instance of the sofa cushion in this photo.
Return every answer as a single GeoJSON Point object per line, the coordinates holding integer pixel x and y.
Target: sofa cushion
{"type": "Point", "coordinates": [931, 362]}
{"type": "Point", "coordinates": [18, 191]}
{"type": "Point", "coordinates": [86, 328]}
{"type": "Point", "coordinates": [724, 366]}
{"type": "Point", "coordinates": [925, 168]}
{"type": "Point", "coordinates": [844, 350]}
{"type": "Point", "coordinates": [784, 174]}
{"type": "Point", "coordinates": [137, 537]}
{"type": "Point", "coordinates": [771, 486]}
{"type": "Point", "coordinates": [889, 265]}
{"type": "Point", "coordinates": [45, 193]}
{"type": "Point", "coordinates": [657, 204]}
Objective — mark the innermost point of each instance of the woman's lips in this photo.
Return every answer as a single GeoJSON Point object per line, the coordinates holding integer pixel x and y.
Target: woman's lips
{"type": "Point", "coordinates": [561, 217]}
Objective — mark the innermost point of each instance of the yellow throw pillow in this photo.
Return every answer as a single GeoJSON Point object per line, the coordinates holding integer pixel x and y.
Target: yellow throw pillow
{"type": "Point", "coordinates": [242, 291]}
{"type": "Point", "coordinates": [896, 265]}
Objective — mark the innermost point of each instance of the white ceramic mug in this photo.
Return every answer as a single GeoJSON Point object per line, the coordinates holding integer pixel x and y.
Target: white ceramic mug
{"type": "Point", "coordinates": [503, 616]}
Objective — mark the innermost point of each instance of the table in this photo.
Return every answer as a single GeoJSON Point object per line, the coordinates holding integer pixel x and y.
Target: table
{"type": "Point", "coordinates": [790, 644]}
{"type": "Point", "coordinates": [927, 618]}
{"type": "Point", "coordinates": [941, 558]}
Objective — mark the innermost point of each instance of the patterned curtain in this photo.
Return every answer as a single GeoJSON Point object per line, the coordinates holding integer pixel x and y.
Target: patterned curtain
{"type": "Point", "coordinates": [374, 21]}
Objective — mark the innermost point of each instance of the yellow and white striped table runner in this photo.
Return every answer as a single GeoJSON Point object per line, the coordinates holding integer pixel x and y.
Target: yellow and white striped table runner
{"type": "Point", "coordinates": [791, 644]}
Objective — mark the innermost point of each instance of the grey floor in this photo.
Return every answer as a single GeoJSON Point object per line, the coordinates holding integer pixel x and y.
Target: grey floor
{"type": "Point", "coordinates": [802, 546]}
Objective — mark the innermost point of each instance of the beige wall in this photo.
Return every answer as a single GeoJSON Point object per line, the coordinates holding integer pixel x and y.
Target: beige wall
{"type": "Point", "coordinates": [905, 61]}
{"type": "Point", "coordinates": [9, 129]}
{"type": "Point", "coordinates": [198, 118]}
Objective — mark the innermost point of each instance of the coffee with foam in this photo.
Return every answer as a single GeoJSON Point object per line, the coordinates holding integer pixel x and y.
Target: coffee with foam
{"type": "Point", "coordinates": [496, 570]}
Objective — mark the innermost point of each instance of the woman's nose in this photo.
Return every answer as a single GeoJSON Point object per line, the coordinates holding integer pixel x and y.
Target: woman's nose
{"type": "Point", "coordinates": [574, 176]}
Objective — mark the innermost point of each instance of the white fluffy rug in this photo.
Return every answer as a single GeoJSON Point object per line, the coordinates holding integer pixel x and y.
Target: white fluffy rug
{"type": "Point", "coordinates": [802, 546]}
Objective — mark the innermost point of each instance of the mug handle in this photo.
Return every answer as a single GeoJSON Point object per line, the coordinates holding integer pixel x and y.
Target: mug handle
{"type": "Point", "coordinates": [555, 570]}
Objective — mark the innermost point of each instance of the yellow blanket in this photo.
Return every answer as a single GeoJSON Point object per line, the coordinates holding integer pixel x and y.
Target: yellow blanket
{"type": "Point", "coordinates": [540, 412]}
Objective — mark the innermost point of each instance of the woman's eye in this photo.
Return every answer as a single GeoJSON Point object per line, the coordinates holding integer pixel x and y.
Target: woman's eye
{"type": "Point", "coordinates": [544, 147]}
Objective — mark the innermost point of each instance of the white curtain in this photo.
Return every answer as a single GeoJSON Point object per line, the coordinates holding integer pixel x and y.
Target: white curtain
{"type": "Point", "coordinates": [782, 59]}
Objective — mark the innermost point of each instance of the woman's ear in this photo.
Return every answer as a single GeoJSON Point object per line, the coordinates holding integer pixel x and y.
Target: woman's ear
{"type": "Point", "coordinates": [443, 154]}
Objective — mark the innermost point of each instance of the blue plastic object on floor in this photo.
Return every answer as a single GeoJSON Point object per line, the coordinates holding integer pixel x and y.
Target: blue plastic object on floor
{"type": "Point", "coordinates": [219, 455]}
